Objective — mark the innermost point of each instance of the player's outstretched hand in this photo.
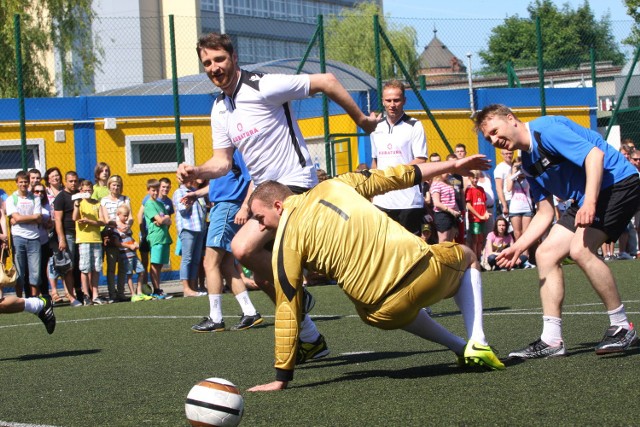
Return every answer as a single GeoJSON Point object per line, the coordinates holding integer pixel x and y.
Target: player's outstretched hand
{"type": "Point", "coordinates": [370, 122]}
{"type": "Point", "coordinates": [274, 386]}
{"type": "Point", "coordinates": [475, 162]}
{"type": "Point", "coordinates": [186, 172]}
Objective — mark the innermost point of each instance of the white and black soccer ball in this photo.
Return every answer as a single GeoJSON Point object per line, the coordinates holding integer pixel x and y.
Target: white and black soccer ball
{"type": "Point", "coordinates": [214, 402]}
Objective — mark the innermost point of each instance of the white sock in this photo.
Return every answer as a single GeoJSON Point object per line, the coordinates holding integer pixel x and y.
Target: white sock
{"type": "Point", "coordinates": [469, 300]}
{"type": "Point", "coordinates": [215, 307]}
{"type": "Point", "coordinates": [245, 304]}
{"type": "Point", "coordinates": [427, 328]}
{"type": "Point", "coordinates": [33, 305]}
{"type": "Point", "coordinates": [618, 317]}
{"type": "Point", "coordinates": [551, 330]}
{"type": "Point", "coordinates": [308, 330]}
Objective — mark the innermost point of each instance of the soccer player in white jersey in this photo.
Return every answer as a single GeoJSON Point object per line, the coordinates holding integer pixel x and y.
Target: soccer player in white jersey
{"type": "Point", "coordinates": [399, 139]}
{"type": "Point", "coordinates": [253, 115]}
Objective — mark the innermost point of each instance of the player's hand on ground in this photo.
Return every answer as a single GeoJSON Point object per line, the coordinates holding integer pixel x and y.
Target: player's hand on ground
{"type": "Point", "coordinates": [274, 386]}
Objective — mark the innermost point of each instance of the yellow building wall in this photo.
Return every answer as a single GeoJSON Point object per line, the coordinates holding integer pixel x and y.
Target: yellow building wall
{"type": "Point", "coordinates": [60, 154]}
{"type": "Point", "coordinates": [110, 148]}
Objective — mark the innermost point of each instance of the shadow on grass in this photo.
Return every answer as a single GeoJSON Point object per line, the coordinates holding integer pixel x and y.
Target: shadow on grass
{"type": "Point", "coordinates": [589, 347]}
{"type": "Point", "coordinates": [414, 372]}
{"type": "Point", "coordinates": [354, 358]}
{"type": "Point", "coordinates": [71, 353]}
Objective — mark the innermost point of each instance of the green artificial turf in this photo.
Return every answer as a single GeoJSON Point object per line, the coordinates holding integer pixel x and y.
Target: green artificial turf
{"type": "Point", "coordinates": [133, 364]}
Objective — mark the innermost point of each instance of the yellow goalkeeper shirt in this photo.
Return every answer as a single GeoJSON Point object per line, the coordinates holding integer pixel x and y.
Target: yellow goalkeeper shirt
{"type": "Point", "coordinates": [334, 229]}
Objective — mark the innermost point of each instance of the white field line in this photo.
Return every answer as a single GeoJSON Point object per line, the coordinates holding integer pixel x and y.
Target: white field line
{"type": "Point", "coordinates": [12, 424]}
{"type": "Point", "coordinates": [507, 312]}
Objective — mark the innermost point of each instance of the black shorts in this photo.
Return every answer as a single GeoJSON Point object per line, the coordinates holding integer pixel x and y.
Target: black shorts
{"type": "Point", "coordinates": [410, 218]}
{"type": "Point", "coordinates": [444, 221]}
{"type": "Point", "coordinates": [615, 208]}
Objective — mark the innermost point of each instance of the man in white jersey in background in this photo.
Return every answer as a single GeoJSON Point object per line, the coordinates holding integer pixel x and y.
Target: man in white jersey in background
{"type": "Point", "coordinates": [253, 115]}
{"type": "Point", "coordinates": [399, 139]}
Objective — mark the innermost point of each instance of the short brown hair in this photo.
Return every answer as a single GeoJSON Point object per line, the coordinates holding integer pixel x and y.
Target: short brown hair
{"type": "Point", "coordinates": [215, 41]}
{"type": "Point", "coordinates": [268, 192]}
{"type": "Point", "coordinates": [153, 183]}
{"type": "Point", "coordinates": [489, 112]}
{"type": "Point", "coordinates": [397, 84]}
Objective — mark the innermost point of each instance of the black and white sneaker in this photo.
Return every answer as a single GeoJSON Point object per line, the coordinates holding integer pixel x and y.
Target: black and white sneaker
{"type": "Point", "coordinates": [208, 325]}
{"type": "Point", "coordinates": [247, 322]}
{"type": "Point", "coordinates": [539, 350]}
{"type": "Point", "coordinates": [46, 314]}
{"type": "Point", "coordinates": [617, 339]}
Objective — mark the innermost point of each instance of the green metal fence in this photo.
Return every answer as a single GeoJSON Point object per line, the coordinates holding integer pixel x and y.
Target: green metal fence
{"type": "Point", "coordinates": [442, 54]}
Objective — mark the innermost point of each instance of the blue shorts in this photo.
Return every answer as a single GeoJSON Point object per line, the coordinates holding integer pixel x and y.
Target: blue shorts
{"type": "Point", "coordinates": [222, 229]}
{"type": "Point", "coordinates": [160, 254]}
{"type": "Point", "coordinates": [132, 265]}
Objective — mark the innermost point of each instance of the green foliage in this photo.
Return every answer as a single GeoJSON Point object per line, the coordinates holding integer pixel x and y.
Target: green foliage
{"type": "Point", "coordinates": [567, 37]}
{"type": "Point", "coordinates": [65, 24]}
{"type": "Point", "coordinates": [349, 38]}
{"type": "Point", "coordinates": [633, 10]}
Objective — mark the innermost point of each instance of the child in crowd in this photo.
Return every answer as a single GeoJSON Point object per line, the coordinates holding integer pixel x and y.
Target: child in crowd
{"type": "Point", "coordinates": [35, 177]}
{"type": "Point", "coordinates": [158, 222]}
{"type": "Point", "coordinates": [163, 196]}
{"type": "Point", "coordinates": [88, 218]}
{"type": "Point", "coordinates": [109, 205]}
{"type": "Point", "coordinates": [446, 213]}
{"type": "Point", "coordinates": [128, 248]}
{"type": "Point", "coordinates": [476, 200]}
{"type": "Point", "coordinates": [101, 173]}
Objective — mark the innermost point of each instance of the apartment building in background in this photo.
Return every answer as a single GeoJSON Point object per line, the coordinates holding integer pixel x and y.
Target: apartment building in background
{"type": "Point", "coordinates": [135, 38]}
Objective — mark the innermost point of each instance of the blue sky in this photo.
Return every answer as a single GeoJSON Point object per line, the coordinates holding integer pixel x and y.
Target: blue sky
{"type": "Point", "coordinates": [477, 17]}
{"type": "Point", "coordinates": [488, 9]}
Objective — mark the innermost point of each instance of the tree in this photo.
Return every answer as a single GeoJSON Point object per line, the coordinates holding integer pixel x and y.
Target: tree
{"type": "Point", "coordinates": [63, 24]}
{"type": "Point", "coordinates": [567, 37]}
{"type": "Point", "coordinates": [349, 38]}
{"type": "Point", "coordinates": [633, 10]}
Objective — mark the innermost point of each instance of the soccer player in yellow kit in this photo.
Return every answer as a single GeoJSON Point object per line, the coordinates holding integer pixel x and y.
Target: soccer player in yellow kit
{"type": "Point", "coordinates": [388, 273]}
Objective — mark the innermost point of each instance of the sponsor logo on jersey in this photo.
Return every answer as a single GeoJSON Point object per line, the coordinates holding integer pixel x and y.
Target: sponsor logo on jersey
{"type": "Point", "coordinates": [244, 135]}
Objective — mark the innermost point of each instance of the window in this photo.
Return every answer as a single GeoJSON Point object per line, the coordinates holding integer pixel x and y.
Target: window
{"type": "Point", "coordinates": [634, 101]}
{"type": "Point", "coordinates": [11, 156]}
{"type": "Point", "coordinates": [277, 9]}
{"type": "Point", "coordinates": [156, 153]}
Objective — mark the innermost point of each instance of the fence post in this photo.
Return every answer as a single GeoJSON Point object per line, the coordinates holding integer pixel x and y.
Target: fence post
{"type": "Point", "coordinates": [23, 130]}
{"type": "Point", "coordinates": [543, 102]}
{"type": "Point", "coordinates": [592, 56]}
{"type": "Point", "coordinates": [325, 100]}
{"type": "Point", "coordinates": [176, 95]}
{"type": "Point", "coordinates": [376, 40]}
